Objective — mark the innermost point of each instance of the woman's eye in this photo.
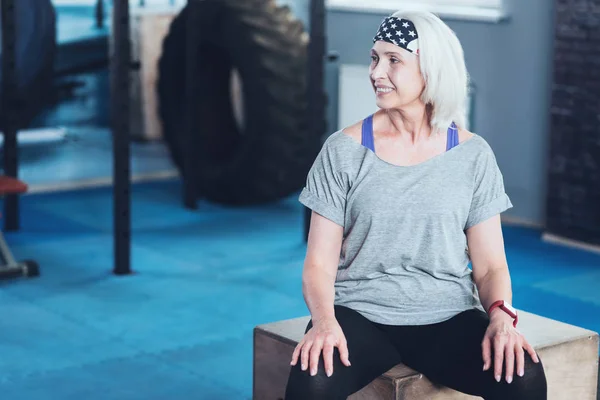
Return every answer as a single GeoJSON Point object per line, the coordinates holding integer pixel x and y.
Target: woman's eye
{"type": "Point", "coordinates": [394, 60]}
{"type": "Point", "coordinates": [374, 58]}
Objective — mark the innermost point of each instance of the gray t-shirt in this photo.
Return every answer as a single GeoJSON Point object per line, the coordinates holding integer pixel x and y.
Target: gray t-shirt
{"type": "Point", "coordinates": [404, 258]}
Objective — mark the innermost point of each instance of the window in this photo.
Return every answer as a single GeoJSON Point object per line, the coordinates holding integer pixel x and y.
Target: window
{"type": "Point", "coordinates": [484, 10]}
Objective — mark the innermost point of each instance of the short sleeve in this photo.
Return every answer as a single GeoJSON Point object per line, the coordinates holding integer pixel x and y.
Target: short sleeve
{"type": "Point", "coordinates": [489, 196]}
{"type": "Point", "coordinates": [325, 190]}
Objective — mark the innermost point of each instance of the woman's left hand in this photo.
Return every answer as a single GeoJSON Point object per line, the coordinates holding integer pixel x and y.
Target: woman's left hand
{"type": "Point", "coordinates": [508, 345]}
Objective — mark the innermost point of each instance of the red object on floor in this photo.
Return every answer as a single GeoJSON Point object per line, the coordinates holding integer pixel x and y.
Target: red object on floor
{"type": "Point", "coordinates": [10, 185]}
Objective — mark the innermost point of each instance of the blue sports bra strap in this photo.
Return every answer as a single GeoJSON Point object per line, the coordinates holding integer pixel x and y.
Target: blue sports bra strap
{"type": "Point", "coordinates": [452, 139]}
{"type": "Point", "coordinates": [367, 133]}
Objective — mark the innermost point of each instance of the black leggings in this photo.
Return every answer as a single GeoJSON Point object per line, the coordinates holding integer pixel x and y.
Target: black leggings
{"type": "Point", "coordinates": [447, 353]}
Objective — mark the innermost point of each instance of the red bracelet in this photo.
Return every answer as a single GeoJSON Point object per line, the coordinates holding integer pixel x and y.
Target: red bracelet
{"type": "Point", "coordinates": [507, 308]}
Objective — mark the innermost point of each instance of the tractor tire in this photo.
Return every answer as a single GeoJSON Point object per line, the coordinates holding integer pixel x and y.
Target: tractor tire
{"type": "Point", "coordinates": [267, 156]}
{"type": "Point", "coordinates": [35, 48]}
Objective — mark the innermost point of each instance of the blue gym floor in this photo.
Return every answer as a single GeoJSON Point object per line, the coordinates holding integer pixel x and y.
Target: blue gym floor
{"type": "Point", "coordinates": [181, 327]}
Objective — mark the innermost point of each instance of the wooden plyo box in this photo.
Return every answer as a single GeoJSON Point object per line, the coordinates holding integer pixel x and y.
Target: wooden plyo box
{"type": "Point", "coordinates": [569, 353]}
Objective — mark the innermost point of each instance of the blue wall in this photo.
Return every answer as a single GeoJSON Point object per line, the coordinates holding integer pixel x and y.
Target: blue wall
{"type": "Point", "coordinates": [510, 64]}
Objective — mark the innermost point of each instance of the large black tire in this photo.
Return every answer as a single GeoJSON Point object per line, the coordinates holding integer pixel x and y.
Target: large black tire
{"type": "Point", "coordinates": [35, 52]}
{"type": "Point", "coordinates": [269, 157]}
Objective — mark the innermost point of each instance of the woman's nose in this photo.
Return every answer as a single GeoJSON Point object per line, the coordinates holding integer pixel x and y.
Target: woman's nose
{"type": "Point", "coordinates": [378, 71]}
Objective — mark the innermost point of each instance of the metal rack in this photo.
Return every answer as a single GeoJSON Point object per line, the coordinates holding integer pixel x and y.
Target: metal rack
{"type": "Point", "coordinates": [120, 82]}
{"type": "Point", "coordinates": [9, 130]}
{"type": "Point", "coordinates": [316, 60]}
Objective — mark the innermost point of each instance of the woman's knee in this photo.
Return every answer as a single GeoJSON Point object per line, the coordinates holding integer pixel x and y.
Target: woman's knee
{"type": "Point", "coordinates": [531, 386]}
{"type": "Point", "coordinates": [312, 387]}
{"type": "Point", "coordinates": [301, 385]}
{"type": "Point", "coordinates": [533, 383]}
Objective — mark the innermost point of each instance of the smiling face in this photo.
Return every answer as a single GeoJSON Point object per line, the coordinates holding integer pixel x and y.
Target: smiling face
{"type": "Point", "coordinates": [395, 75]}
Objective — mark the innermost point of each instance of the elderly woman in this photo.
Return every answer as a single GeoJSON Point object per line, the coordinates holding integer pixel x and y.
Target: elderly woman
{"type": "Point", "coordinates": [402, 202]}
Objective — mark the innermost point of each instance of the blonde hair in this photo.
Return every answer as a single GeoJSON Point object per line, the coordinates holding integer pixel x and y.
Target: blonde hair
{"type": "Point", "coordinates": [443, 68]}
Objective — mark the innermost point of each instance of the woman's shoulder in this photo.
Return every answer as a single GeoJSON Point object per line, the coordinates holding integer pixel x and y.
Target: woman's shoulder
{"type": "Point", "coordinates": [353, 132]}
{"type": "Point", "coordinates": [343, 148]}
{"type": "Point", "coordinates": [464, 135]}
{"type": "Point", "coordinates": [477, 144]}
{"type": "Point", "coordinates": [478, 153]}
{"type": "Point", "coordinates": [346, 139]}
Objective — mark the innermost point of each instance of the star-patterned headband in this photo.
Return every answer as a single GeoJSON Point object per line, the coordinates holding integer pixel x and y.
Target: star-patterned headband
{"type": "Point", "coordinates": [399, 31]}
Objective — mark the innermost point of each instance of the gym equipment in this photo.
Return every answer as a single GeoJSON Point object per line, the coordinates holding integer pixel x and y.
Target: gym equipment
{"type": "Point", "coordinates": [569, 354]}
{"type": "Point", "coordinates": [10, 268]}
{"type": "Point", "coordinates": [119, 100]}
{"type": "Point", "coordinates": [260, 148]}
{"type": "Point", "coordinates": [317, 103]}
{"type": "Point", "coordinates": [35, 45]}
{"type": "Point", "coordinates": [39, 136]}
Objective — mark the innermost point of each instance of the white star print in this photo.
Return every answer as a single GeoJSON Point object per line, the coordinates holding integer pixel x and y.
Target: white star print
{"type": "Point", "coordinates": [393, 30]}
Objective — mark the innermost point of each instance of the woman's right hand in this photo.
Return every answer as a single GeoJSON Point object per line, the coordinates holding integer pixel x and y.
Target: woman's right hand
{"type": "Point", "coordinates": [323, 335]}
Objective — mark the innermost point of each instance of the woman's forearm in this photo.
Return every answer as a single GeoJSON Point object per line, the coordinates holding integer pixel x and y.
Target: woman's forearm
{"type": "Point", "coordinates": [319, 292]}
{"type": "Point", "coordinates": [495, 285]}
